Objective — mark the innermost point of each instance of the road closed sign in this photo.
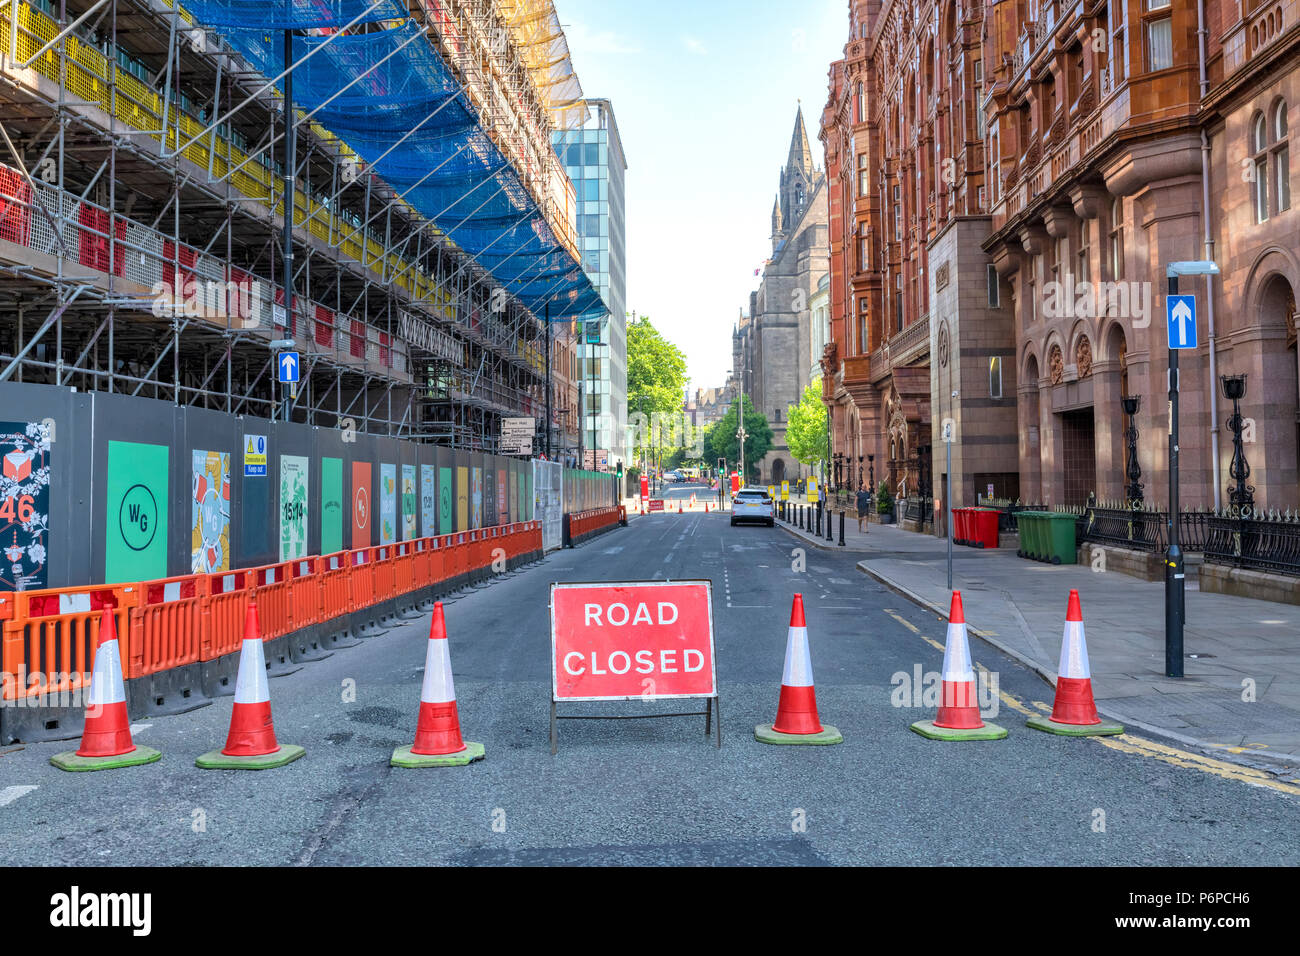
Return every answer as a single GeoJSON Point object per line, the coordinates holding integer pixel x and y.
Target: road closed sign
{"type": "Point", "coordinates": [622, 641]}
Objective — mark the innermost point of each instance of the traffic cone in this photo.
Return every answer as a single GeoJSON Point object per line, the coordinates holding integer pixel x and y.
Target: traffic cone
{"type": "Point", "coordinates": [796, 710]}
{"type": "Point", "coordinates": [437, 732]}
{"type": "Point", "coordinates": [959, 713]}
{"type": "Point", "coordinates": [106, 742]}
{"type": "Point", "coordinates": [1074, 713]}
{"type": "Point", "coordinates": [251, 743]}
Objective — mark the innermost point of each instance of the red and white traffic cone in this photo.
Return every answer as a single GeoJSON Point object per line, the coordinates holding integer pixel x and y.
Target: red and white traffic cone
{"type": "Point", "coordinates": [1074, 713]}
{"type": "Point", "coordinates": [251, 743]}
{"type": "Point", "coordinates": [106, 741]}
{"type": "Point", "coordinates": [797, 721]}
{"type": "Point", "coordinates": [959, 712]}
{"type": "Point", "coordinates": [438, 742]}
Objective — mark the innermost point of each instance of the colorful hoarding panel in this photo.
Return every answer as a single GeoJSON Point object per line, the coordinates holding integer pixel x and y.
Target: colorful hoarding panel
{"type": "Point", "coordinates": [503, 498]}
{"type": "Point", "coordinates": [476, 498]}
{"type": "Point", "coordinates": [462, 498]}
{"type": "Point", "coordinates": [135, 513]}
{"type": "Point", "coordinates": [361, 504]}
{"type": "Point", "coordinates": [210, 512]}
{"type": "Point", "coordinates": [24, 505]}
{"type": "Point", "coordinates": [410, 507]}
{"type": "Point", "coordinates": [331, 505]}
{"type": "Point", "coordinates": [293, 507]}
{"type": "Point", "coordinates": [428, 503]}
{"type": "Point", "coordinates": [387, 504]}
{"type": "Point", "coordinates": [446, 502]}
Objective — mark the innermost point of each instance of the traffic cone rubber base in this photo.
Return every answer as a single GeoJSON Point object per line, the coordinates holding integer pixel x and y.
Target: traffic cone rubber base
{"type": "Point", "coordinates": [764, 733]}
{"type": "Point", "coordinates": [926, 728]}
{"type": "Point", "coordinates": [216, 760]}
{"type": "Point", "coordinates": [402, 757]}
{"type": "Point", "coordinates": [1044, 723]}
{"type": "Point", "coordinates": [133, 758]}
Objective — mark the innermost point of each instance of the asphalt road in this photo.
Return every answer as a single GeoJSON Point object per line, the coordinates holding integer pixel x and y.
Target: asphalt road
{"type": "Point", "coordinates": [645, 792]}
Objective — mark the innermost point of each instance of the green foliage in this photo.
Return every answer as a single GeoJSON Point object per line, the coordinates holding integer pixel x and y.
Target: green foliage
{"type": "Point", "coordinates": [806, 433]}
{"type": "Point", "coordinates": [656, 382]}
{"type": "Point", "coordinates": [720, 439]}
{"type": "Point", "coordinates": [884, 500]}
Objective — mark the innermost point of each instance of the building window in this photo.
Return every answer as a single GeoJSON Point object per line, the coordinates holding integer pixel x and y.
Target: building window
{"type": "Point", "coordinates": [1259, 146]}
{"type": "Point", "coordinates": [1116, 239]}
{"type": "Point", "coordinates": [995, 295]}
{"type": "Point", "coordinates": [1281, 158]}
{"type": "Point", "coordinates": [864, 178]}
{"type": "Point", "coordinates": [1082, 263]}
{"type": "Point", "coordinates": [1160, 48]}
{"type": "Point", "coordinates": [995, 377]}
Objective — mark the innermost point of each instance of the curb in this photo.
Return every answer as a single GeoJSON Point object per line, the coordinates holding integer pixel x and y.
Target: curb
{"type": "Point", "coordinates": [819, 543]}
{"type": "Point", "coordinates": [1274, 763]}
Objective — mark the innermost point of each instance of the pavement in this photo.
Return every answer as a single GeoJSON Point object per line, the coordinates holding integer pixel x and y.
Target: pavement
{"type": "Point", "coordinates": [1240, 698]}
{"type": "Point", "coordinates": [651, 792]}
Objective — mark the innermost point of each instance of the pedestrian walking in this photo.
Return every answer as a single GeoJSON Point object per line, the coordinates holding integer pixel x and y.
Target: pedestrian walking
{"type": "Point", "coordinates": [864, 505]}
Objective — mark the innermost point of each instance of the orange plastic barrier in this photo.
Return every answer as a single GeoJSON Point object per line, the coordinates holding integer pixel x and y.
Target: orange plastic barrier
{"type": "Point", "coordinates": [421, 562]}
{"type": "Point", "coordinates": [437, 561]}
{"type": "Point", "coordinates": [269, 586]}
{"type": "Point", "coordinates": [166, 625]}
{"type": "Point", "coordinates": [48, 644]}
{"type": "Point", "coordinates": [223, 614]}
{"type": "Point", "coordinates": [362, 576]}
{"type": "Point", "coordinates": [385, 582]}
{"type": "Point", "coordinates": [304, 593]}
{"type": "Point", "coordinates": [404, 568]}
{"type": "Point", "coordinates": [332, 577]}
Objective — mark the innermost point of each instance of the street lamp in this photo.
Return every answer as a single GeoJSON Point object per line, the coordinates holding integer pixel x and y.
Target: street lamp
{"type": "Point", "coordinates": [1242, 497]}
{"type": "Point", "coordinates": [1133, 490]}
{"type": "Point", "coordinates": [871, 466]}
{"type": "Point", "coordinates": [859, 472]}
{"type": "Point", "coordinates": [1175, 576]}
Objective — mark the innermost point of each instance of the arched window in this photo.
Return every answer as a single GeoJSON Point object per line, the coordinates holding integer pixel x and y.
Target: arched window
{"type": "Point", "coordinates": [1259, 172]}
{"type": "Point", "coordinates": [1281, 158]}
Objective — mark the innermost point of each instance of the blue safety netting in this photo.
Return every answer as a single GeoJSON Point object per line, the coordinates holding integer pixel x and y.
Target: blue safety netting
{"type": "Point", "coordinates": [389, 95]}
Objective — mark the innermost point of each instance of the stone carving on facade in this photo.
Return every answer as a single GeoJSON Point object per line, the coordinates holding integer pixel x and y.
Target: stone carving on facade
{"type": "Point", "coordinates": [1034, 155]}
{"type": "Point", "coordinates": [1058, 129]}
{"type": "Point", "coordinates": [1056, 365]}
{"type": "Point", "coordinates": [943, 345]}
{"type": "Point", "coordinates": [1088, 101]}
{"type": "Point", "coordinates": [1083, 356]}
{"type": "Point", "coordinates": [941, 277]}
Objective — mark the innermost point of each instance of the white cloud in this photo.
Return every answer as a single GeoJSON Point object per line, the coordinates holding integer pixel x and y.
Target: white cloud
{"type": "Point", "coordinates": [602, 42]}
{"type": "Point", "coordinates": [694, 45]}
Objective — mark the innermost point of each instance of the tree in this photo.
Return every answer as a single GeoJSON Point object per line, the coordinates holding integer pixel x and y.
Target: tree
{"type": "Point", "coordinates": [656, 382]}
{"type": "Point", "coordinates": [806, 433]}
{"type": "Point", "coordinates": [721, 441]}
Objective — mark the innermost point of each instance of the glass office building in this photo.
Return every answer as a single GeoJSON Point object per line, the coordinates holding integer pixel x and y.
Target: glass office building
{"type": "Point", "coordinates": [593, 158]}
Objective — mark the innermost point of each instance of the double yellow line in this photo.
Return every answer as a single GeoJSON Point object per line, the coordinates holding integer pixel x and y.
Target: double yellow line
{"type": "Point", "coordinates": [1138, 746]}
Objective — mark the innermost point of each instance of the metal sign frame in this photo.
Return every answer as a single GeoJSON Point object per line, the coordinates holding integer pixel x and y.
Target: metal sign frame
{"type": "Point", "coordinates": [713, 701]}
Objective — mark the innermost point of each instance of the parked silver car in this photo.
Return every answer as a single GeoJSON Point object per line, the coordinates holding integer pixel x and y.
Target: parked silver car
{"type": "Point", "coordinates": [753, 504]}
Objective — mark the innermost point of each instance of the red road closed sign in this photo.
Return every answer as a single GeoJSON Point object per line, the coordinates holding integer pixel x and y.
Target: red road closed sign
{"type": "Point", "coordinates": [656, 504]}
{"type": "Point", "coordinates": [650, 640]}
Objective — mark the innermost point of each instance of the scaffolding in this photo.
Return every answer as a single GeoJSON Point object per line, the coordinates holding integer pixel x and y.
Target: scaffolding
{"type": "Point", "coordinates": [141, 243]}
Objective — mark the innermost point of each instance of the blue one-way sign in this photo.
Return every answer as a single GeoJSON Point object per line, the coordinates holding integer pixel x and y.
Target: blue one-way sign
{"type": "Point", "coordinates": [288, 367]}
{"type": "Point", "coordinates": [1182, 321]}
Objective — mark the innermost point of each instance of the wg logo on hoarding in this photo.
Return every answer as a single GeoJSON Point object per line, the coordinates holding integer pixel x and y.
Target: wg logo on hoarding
{"type": "Point", "coordinates": [138, 517]}
{"type": "Point", "coordinates": [361, 507]}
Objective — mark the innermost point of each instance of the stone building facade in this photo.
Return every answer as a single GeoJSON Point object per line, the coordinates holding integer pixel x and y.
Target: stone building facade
{"type": "Point", "coordinates": [914, 318]}
{"type": "Point", "coordinates": [1015, 178]}
{"type": "Point", "coordinates": [1121, 138]}
{"type": "Point", "coordinates": [771, 346]}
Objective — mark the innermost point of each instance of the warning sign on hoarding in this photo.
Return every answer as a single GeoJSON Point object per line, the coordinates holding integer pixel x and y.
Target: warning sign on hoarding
{"type": "Point", "coordinates": [651, 640]}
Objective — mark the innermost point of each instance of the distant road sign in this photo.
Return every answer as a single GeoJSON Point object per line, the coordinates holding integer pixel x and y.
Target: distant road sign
{"type": "Point", "coordinates": [288, 366]}
{"type": "Point", "coordinates": [1182, 321]}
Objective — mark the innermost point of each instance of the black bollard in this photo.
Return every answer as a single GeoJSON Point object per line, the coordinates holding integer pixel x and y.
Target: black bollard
{"type": "Point", "coordinates": [830, 535]}
{"type": "Point", "coordinates": [841, 529]}
{"type": "Point", "coordinates": [819, 519]}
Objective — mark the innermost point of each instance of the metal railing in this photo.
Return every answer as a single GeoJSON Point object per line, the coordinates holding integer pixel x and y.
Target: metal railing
{"type": "Point", "coordinates": [1266, 542]}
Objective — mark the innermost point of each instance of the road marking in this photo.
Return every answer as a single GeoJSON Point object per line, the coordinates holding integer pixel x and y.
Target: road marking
{"type": "Point", "coordinates": [9, 794]}
{"type": "Point", "coordinates": [1140, 746]}
{"type": "Point", "coordinates": [136, 728]}
{"type": "Point", "coordinates": [614, 550]}
{"type": "Point", "coordinates": [903, 621]}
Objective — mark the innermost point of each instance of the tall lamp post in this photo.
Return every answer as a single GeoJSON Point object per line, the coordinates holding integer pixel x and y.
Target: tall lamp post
{"type": "Point", "coordinates": [1133, 470]}
{"type": "Point", "coordinates": [1175, 576]}
{"type": "Point", "coordinates": [871, 466]}
{"type": "Point", "coordinates": [1241, 497]}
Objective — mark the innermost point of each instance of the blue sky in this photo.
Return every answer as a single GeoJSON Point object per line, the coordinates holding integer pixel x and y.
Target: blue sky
{"type": "Point", "coordinates": [705, 95]}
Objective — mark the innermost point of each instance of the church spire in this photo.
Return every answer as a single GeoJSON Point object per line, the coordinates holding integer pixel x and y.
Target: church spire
{"type": "Point", "coordinates": [800, 152]}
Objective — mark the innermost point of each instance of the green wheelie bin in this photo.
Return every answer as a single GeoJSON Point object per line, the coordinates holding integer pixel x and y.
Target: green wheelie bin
{"type": "Point", "coordinates": [1061, 545]}
{"type": "Point", "coordinates": [1030, 524]}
